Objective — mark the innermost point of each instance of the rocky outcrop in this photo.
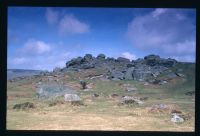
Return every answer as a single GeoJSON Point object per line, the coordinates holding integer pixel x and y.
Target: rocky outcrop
{"type": "Point", "coordinates": [122, 68]}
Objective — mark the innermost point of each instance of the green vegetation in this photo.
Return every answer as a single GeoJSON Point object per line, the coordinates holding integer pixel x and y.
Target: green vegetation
{"type": "Point", "coordinates": [102, 112]}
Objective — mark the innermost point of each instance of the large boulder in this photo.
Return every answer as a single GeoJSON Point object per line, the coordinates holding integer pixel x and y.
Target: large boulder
{"type": "Point", "coordinates": [129, 73]}
{"type": "Point", "coordinates": [101, 57]}
{"type": "Point", "coordinates": [46, 91]}
{"type": "Point", "coordinates": [167, 62]}
{"type": "Point", "coordinates": [152, 60]}
{"type": "Point", "coordinates": [87, 58]}
{"type": "Point", "coordinates": [87, 66]}
{"type": "Point", "coordinates": [74, 62]}
{"type": "Point", "coordinates": [142, 73]}
{"type": "Point", "coordinates": [117, 74]}
{"type": "Point", "coordinates": [123, 60]}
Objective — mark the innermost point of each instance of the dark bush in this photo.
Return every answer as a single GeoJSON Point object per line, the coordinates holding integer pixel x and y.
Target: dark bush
{"type": "Point", "coordinates": [83, 84]}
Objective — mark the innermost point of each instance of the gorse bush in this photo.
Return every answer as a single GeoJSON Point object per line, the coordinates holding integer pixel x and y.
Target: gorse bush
{"type": "Point", "coordinates": [83, 84]}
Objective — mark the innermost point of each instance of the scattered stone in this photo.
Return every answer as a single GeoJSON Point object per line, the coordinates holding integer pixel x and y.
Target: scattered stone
{"type": "Point", "coordinates": [23, 106]}
{"type": "Point", "coordinates": [130, 100]}
{"type": "Point", "coordinates": [131, 89]}
{"type": "Point", "coordinates": [176, 118]}
{"type": "Point", "coordinates": [162, 108]}
{"type": "Point", "coordinates": [162, 82]}
{"type": "Point", "coordinates": [71, 97]}
{"type": "Point", "coordinates": [180, 74]}
{"type": "Point", "coordinates": [95, 95]}
{"type": "Point", "coordinates": [146, 83]}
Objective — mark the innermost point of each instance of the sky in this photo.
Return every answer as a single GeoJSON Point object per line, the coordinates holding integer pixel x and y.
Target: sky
{"type": "Point", "coordinates": [43, 38]}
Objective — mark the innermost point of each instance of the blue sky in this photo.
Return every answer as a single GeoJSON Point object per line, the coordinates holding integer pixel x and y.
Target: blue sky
{"type": "Point", "coordinates": [45, 38]}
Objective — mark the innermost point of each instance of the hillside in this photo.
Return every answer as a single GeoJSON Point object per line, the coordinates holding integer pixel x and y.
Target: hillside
{"type": "Point", "coordinates": [14, 73]}
{"type": "Point", "coordinates": [99, 93]}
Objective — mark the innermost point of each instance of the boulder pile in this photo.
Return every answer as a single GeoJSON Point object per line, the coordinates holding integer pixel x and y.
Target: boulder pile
{"type": "Point", "coordinates": [124, 69]}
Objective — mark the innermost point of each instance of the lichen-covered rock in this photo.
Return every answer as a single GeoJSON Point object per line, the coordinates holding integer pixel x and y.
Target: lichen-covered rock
{"type": "Point", "coordinates": [46, 91]}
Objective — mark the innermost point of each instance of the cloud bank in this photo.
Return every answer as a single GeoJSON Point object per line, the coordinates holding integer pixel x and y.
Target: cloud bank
{"type": "Point", "coordinates": [51, 16]}
{"type": "Point", "coordinates": [33, 47]}
{"type": "Point", "coordinates": [129, 56]}
{"type": "Point", "coordinates": [67, 23]}
{"type": "Point", "coordinates": [171, 32]}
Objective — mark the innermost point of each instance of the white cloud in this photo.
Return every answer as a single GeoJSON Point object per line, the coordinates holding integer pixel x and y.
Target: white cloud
{"type": "Point", "coordinates": [71, 25]}
{"type": "Point", "coordinates": [164, 31]}
{"type": "Point", "coordinates": [129, 56]}
{"type": "Point", "coordinates": [186, 48]}
{"type": "Point", "coordinates": [185, 58]}
{"type": "Point", "coordinates": [19, 61]}
{"type": "Point", "coordinates": [33, 47]}
{"type": "Point", "coordinates": [159, 11]}
{"type": "Point", "coordinates": [51, 16]}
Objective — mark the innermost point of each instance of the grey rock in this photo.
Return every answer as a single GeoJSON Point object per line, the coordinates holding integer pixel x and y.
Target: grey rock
{"type": "Point", "coordinates": [162, 82]}
{"type": "Point", "coordinates": [176, 118]}
{"type": "Point", "coordinates": [167, 62]}
{"type": "Point", "coordinates": [117, 74]}
{"type": "Point", "coordinates": [129, 65]}
{"type": "Point", "coordinates": [101, 56]}
{"type": "Point", "coordinates": [74, 62]}
{"type": "Point", "coordinates": [123, 60]}
{"type": "Point", "coordinates": [180, 74]}
{"type": "Point", "coordinates": [131, 89]}
{"type": "Point", "coordinates": [87, 66]}
{"type": "Point", "coordinates": [87, 58]}
{"type": "Point", "coordinates": [46, 91]}
{"type": "Point", "coordinates": [142, 73]}
{"type": "Point", "coordinates": [152, 60]}
{"type": "Point", "coordinates": [129, 73]}
{"type": "Point", "coordinates": [130, 100]}
{"type": "Point", "coordinates": [71, 97]}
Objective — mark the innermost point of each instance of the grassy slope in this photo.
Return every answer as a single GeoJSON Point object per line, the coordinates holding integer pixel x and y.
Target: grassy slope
{"type": "Point", "coordinates": [102, 112]}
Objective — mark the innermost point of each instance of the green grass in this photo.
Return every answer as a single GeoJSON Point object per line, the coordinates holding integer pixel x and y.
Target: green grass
{"type": "Point", "coordinates": [102, 112]}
